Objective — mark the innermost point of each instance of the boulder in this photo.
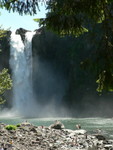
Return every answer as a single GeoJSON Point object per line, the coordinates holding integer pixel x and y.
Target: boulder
{"type": "Point", "coordinates": [57, 125]}
{"type": "Point", "coordinates": [100, 137]}
{"type": "Point", "coordinates": [108, 146]}
{"type": "Point", "coordinates": [81, 131]}
{"type": "Point", "coordinates": [26, 123]}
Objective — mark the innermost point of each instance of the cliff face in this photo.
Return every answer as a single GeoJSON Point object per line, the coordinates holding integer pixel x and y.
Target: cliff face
{"type": "Point", "coordinates": [5, 51]}
{"type": "Point", "coordinates": [50, 72]}
{"type": "Point", "coordinates": [59, 58]}
{"type": "Point", "coordinates": [69, 58]}
{"type": "Point", "coordinates": [22, 33]}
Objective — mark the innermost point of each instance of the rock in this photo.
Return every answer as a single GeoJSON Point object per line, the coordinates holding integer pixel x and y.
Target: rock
{"type": "Point", "coordinates": [22, 33]}
{"type": "Point", "coordinates": [57, 125]}
{"type": "Point", "coordinates": [100, 137]}
{"type": "Point", "coordinates": [30, 137]}
{"type": "Point", "coordinates": [25, 128]}
{"type": "Point", "coordinates": [2, 125]}
{"type": "Point", "coordinates": [35, 130]}
{"type": "Point", "coordinates": [81, 131]}
{"type": "Point", "coordinates": [92, 148]}
{"type": "Point", "coordinates": [26, 123]}
{"type": "Point", "coordinates": [108, 146]}
{"type": "Point", "coordinates": [39, 133]}
{"type": "Point", "coordinates": [67, 131]}
{"type": "Point", "coordinates": [39, 31]}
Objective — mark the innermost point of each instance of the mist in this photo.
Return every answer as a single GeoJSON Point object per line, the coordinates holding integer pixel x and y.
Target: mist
{"type": "Point", "coordinates": [49, 86]}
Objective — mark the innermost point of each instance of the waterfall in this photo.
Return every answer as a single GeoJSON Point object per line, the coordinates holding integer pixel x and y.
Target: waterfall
{"type": "Point", "coordinates": [21, 66]}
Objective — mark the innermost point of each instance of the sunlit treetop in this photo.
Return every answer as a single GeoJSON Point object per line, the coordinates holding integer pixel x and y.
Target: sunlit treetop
{"type": "Point", "coordinates": [70, 16]}
{"type": "Point", "coordinates": [2, 32]}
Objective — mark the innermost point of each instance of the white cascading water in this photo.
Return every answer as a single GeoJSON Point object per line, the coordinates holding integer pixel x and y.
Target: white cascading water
{"type": "Point", "coordinates": [21, 66]}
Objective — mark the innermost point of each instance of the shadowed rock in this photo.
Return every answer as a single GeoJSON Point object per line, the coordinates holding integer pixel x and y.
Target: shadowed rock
{"type": "Point", "coordinates": [57, 125]}
{"type": "Point", "coordinates": [22, 33]}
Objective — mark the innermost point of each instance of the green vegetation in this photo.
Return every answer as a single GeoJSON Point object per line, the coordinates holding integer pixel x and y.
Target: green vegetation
{"type": "Point", "coordinates": [2, 32]}
{"type": "Point", "coordinates": [11, 127]}
{"type": "Point", "coordinates": [5, 83]}
{"type": "Point", "coordinates": [18, 125]}
{"type": "Point", "coordinates": [75, 17]}
{"type": "Point", "coordinates": [70, 16]}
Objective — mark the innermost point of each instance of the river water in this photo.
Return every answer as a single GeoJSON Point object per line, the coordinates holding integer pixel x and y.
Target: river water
{"type": "Point", "coordinates": [89, 124]}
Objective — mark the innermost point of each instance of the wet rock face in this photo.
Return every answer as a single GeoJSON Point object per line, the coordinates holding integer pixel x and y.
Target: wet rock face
{"type": "Point", "coordinates": [5, 50]}
{"type": "Point", "coordinates": [22, 32]}
{"type": "Point", "coordinates": [30, 137]}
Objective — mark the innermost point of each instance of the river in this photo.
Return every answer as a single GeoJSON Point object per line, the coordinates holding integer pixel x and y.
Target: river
{"type": "Point", "coordinates": [89, 124]}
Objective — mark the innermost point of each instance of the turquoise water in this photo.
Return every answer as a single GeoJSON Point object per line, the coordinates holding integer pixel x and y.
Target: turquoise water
{"type": "Point", "coordinates": [90, 124]}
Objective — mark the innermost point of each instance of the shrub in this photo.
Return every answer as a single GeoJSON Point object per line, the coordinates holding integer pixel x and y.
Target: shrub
{"type": "Point", "coordinates": [11, 127]}
{"type": "Point", "coordinates": [18, 125]}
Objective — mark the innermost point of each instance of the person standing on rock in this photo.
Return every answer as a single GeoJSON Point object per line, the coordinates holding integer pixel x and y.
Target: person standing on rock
{"type": "Point", "coordinates": [78, 126]}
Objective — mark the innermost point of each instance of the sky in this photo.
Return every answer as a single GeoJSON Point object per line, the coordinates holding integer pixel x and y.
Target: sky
{"type": "Point", "coordinates": [15, 21]}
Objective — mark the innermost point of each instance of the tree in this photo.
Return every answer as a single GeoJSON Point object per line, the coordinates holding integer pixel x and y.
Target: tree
{"type": "Point", "coordinates": [2, 33]}
{"type": "Point", "coordinates": [5, 79]}
{"type": "Point", "coordinates": [74, 17]}
{"type": "Point", "coordinates": [5, 83]}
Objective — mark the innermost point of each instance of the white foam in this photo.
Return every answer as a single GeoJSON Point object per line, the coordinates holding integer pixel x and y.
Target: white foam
{"type": "Point", "coordinates": [21, 65]}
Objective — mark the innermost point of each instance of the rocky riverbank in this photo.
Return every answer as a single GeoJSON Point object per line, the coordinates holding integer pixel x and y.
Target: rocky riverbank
{"type": "Point", "coordinates": [55, 137]}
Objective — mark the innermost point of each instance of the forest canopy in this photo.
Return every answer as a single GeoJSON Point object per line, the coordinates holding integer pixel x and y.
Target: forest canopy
{"type": "Point", "coordinates": [75, 17]}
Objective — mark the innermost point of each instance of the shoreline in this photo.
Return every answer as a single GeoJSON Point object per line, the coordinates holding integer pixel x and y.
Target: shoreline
{"type": "Point", "coordinates": [27, 136]}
